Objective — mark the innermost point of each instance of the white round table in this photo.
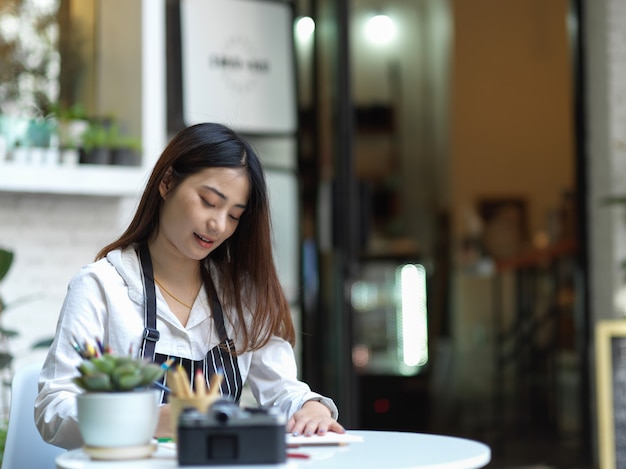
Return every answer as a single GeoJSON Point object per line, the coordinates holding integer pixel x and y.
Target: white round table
{"type": "Point", "coordinates": [399, 450]}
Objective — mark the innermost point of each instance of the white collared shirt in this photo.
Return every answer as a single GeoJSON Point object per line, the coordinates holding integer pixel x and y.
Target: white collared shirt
{"type": "Point", "coordinates": [105, 300]}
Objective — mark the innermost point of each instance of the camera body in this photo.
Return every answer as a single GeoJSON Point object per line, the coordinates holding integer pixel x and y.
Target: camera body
{"type": "Point", "coordinates": [228, 435]}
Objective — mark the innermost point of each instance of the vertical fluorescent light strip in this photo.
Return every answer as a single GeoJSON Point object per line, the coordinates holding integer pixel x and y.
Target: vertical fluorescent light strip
{"type": "Point", "coordinates": [413, 334]}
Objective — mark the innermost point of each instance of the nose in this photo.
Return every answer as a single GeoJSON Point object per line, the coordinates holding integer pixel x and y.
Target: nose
{"type": "Point", "coordinates": [217, 221]}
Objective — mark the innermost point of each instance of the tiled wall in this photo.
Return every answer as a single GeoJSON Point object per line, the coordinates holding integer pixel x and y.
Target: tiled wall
{"type": "Point", "coordinates": [52, 236]}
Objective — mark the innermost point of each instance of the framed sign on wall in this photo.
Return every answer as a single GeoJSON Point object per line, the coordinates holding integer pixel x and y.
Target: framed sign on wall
{"type": "Point", "coordinates": [238, 64]}
{"type": "Point", "coordinates": [610, 336]}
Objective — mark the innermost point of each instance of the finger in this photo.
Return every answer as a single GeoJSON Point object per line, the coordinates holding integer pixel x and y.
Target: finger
{"type": "Point", "coordinates": [310, 429]}
{"type": "Point", "coordinates": [298, 428]}
{"type": "Point", "coordinates": [322, 428]}
{"type": "Point", "coordinates": [336, 427]}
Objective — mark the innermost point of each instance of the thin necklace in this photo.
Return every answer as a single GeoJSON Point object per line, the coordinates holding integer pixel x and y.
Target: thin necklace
{"type": "Point", "coordinates": [168, 292]}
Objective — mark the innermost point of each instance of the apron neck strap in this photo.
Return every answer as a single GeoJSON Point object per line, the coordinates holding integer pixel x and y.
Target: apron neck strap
{"type": "Point", "coordinates": [150, 333]}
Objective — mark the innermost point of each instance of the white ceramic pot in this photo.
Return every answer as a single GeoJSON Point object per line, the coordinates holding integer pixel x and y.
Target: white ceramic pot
{"type": "Point", "coordinates": [118, 419]}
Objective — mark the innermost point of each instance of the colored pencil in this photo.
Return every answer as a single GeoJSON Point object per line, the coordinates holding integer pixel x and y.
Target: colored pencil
{"type": "Point", "coordinates": [200, 383]}
{"type": "Point", "coordinates": [215, 383]}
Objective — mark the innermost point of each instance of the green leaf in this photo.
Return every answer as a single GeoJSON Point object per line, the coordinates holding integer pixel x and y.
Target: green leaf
{"type": "Point", "coordinates": [105, 364]}
{"type": "Point", "coordinates": [130, 381]}
{"type": "Point", "coordinates": [9, 334]}
{"type": "Point", "coordinates": [43, 343]}
{"type": "Point", "coordinates": [95, 382]}
{"type": "Point", "coordinates": [87, 368]}
{"type": "Point", "coordinates": [151, 373]}
{"type": "Point", "coordinates": [114, 373]}
{"type": "Point", "coordinates": [6, 259]}
{"type": "Point", "coordinates": [5, 360]}
{"type": "Point", "coordinates": [614, 200]}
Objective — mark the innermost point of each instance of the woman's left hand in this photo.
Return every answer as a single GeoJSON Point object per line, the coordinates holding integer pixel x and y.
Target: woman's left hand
{"type": "Point", "coordinates": [313, 418]}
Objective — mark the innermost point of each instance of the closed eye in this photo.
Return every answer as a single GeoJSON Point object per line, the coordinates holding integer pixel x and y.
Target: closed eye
{"type": "Point", "coordinates": [206, 202]}
{"type": "Point", "coordinates": [237, 215]}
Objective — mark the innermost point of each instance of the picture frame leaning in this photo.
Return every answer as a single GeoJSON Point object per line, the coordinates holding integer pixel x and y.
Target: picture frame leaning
{"type": "Point", "coordinates": [610, 362]}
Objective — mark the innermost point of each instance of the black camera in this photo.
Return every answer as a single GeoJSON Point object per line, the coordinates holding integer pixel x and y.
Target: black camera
{"type": "Point", "coordinates": [228, 434]}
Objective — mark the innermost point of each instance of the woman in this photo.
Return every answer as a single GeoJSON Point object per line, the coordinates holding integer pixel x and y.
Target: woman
{"type": "Point", "coordinates": [192, 277]}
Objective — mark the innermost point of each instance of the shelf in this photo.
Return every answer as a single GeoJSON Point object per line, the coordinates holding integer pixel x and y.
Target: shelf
{"type": "Point", "coordinates": [537, 257]}
{"type": "Point", "coordinates": [96, 180]}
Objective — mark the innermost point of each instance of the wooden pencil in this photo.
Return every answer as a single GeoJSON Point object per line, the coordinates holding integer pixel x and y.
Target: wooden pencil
{"type": "Point", "coordinates": [184, 380]}
{"type": "Point", "coordinates": [200, 383]}
{"type": "Point", "coordinates": [215, 383]}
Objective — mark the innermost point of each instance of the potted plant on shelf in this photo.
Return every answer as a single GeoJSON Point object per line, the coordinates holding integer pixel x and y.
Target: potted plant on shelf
{"type": "Point", "coordinates": [72, 123]}
{"type": "Point", "coordinates": [118, 410]}
{"type": "Point", "coordinates": [96, 147]}
{"type": "Point", "coordinates": [126, 149]}
{"type": "Point", "coordinates": [104, 143]}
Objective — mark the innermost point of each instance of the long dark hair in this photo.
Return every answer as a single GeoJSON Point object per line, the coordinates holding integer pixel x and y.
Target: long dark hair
{"type": "Point", "coordinates": [248, 278]}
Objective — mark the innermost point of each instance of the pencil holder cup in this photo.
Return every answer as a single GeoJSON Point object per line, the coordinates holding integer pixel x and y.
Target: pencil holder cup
{"type": "Point", "coordinates": [179, 404]}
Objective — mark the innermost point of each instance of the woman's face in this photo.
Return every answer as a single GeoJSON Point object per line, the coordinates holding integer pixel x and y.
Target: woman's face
{"type": "Point", "coordinates": [203, 211]}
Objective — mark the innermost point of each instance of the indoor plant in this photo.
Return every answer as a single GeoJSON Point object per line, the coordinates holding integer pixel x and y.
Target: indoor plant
{"type": "Point", "coordinates": [125, 149]}
{"type": "Point", "coordinates": [118, 410]}
{"type": "Point", "coordinates": [72, 123]}
{"type": "Point", "coordinates": [96, 148]}
{"type": "Point", "coordinates": [104, 143]}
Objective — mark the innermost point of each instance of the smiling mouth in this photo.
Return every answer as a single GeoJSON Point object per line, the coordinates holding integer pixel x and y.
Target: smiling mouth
{"type": "Point", "coordinates": [203, 239]}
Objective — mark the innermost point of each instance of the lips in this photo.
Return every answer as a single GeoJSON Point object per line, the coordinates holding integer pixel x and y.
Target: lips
{"type": "Point", "coordinates": [204, 242]}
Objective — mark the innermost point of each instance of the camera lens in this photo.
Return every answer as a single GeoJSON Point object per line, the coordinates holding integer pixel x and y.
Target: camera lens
{"type": "Point", "coordinates": [223, 410]}
{"type": "Point", "coordinates": [221, 416]}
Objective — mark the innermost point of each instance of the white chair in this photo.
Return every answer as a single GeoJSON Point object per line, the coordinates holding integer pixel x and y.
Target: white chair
{"type": "Point", "coordinates": [24, 447]}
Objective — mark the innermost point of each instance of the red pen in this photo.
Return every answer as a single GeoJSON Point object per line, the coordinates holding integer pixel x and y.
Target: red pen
{"type": "Point", "coordinates": [298, 455]}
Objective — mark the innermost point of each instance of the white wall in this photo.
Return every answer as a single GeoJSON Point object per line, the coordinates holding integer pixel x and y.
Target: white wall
{"type": "Point", "coordinates": [52, 236]}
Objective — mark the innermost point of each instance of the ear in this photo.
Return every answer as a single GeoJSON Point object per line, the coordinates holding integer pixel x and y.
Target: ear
{"type": "Point", "coordinates": [166, 182]}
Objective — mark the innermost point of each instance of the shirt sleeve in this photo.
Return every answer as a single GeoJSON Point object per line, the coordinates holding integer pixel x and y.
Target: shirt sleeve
{"type": "Point", "coordinates": [273, 380]}
{"type": "Point", "coordinates": [81, 317]}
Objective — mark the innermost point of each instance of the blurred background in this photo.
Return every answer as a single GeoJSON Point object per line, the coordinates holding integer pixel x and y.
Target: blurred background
{"type": "Point", "coordinates": [437, 198]}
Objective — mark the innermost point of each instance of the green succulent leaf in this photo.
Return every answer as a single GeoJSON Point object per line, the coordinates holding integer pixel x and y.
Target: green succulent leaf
{"type": "Point", "coordinates": [130, 381]}
{"type": "Point", "coordinates": [125, 369]}
{"type": "Point", "coordinates": [87, 367]}
{"type": "Point", "coordinates": [151, 373]}
{"type": "Point", "coordinates": [111, 373]}
{"type": "Point", "coordinates": [97, 382]}
{"type": "Point", "coordinates": [105, 364]}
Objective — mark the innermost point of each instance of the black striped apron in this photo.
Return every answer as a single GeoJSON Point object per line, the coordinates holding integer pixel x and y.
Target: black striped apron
{"type": "Point", "coordinates": [221, 358]}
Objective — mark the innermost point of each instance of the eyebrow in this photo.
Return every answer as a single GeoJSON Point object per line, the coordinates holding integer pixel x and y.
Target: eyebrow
{"type": "Point", "coordinates": [223, 196]}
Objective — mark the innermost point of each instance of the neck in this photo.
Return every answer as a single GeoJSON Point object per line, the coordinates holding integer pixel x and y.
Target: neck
{"type": "Point", "coordinates": [172, 268]}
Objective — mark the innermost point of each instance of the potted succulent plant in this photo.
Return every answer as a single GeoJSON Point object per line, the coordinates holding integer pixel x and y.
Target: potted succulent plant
{"type": "Point", "coordinates": [118, 410]}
